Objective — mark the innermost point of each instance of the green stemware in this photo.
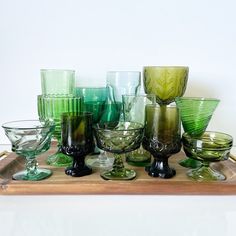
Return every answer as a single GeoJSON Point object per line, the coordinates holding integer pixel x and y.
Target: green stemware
{"type": "Point", "coordinates": [196, 113]}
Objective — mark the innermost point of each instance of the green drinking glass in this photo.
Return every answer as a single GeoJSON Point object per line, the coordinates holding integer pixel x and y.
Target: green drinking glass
{"type": "Point", "coordinates": [29, 139]}
{"type": "Point", "coordinates": [162, 138]}
{"type": "Point", "coordinates": [166, 82]}
{"type": "Point", "coordinates": [118, 138]}
{"type": "Point", "coordinates": [134, 111]}
{"type": "Point", "coordinates": [51, 108]}
{"type": "Point", "coordinates": [196, 113]}
{"type": "Point", "coordinates": [77, 141]}
{"type": "Point", "coordinates": [209, 147]}
{"type": "Point", "coordinates": [58, 82]}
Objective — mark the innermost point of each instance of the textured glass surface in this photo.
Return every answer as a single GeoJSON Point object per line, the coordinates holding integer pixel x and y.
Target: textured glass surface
{"type": "Point", "coordinates": [166, 82]}
{"type": "Point", "coordinates": [119, 138]}
{"type": "Point", "coordinates": [30, 138]}
{"type": "Point", "coordinates": [51, 108]}
{"type": "Point", "coordinates": [58, 82]}
{"type": "Point", "coordinates": [161, 137]}
{"type": "Point", "coordinates": [196, 113]}
{"type": "Point", "coordinates": [209, 147]}
{"type": "Point", "coordinates": [134, 111]}
{"type": "Point", "coordinates": [77, 141]}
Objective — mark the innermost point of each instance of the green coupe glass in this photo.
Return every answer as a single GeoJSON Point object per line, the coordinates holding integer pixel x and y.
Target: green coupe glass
{"type": "Point", "coordinates": [196, 113]}
{"type": "Point", "coordinates": [166, 82]}
{"type": "Point", "coordinates": [51, 108]}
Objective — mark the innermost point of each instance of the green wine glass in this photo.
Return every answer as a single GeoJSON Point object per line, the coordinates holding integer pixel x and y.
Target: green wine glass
{"type": "Point", "coordinates": [196, 113]}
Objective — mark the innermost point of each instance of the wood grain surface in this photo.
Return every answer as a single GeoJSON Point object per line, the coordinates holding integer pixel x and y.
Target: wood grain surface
{"type": "Point", "coordinates": [59, 183]}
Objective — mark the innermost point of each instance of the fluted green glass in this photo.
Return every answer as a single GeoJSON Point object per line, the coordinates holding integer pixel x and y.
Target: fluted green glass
{"type": "Point", "coordinates": [209, 147]}
{"type": "Point", "coordinates": [51, 108]}
{"type": "Point", "coordinates": [166, 82]}
{"type": "Point", "coordinates": [196, 113]}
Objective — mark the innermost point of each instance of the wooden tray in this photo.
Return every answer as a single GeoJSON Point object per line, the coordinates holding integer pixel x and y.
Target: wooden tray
{"type": "Point", "coordinates": [59, 183]}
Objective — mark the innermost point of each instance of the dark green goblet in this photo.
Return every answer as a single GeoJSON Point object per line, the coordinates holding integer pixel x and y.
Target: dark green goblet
{"type": "Point", "coordinates": [77, 141]}
{"type": "Point", "coordinates": [161, 138]}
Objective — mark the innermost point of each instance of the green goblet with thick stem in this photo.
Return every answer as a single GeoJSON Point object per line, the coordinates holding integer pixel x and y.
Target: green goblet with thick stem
{"type": "Point", "coordinates": [118, 138]}
{"type": "Point", "coordinates": [30, 138]}
{"type": "Point", "coordinates": [51, 108]}
{"type": "Point", "coordinates": [196, 113]}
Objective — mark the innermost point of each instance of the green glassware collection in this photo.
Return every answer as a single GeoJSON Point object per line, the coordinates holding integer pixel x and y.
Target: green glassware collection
{"type": "Point", "coordinates": [101, 127]}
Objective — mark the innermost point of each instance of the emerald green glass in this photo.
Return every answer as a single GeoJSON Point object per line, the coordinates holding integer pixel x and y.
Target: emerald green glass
{"type": "Point", "coordinates": [162, 138]}
{"type": "Point", "coordinates": [30, 138]}
{"type": "Point", "coordinates": [119, 138]}
{"type": "Point", "coordinates": [58, 82]}
{"type": "Point", "coordinates": [166, 82]}
{"type": "Point", "coordinates": [134, 111]}
{"type": "Point", "coordinates": [196, 113]}
{"type": "Point", "coordinates": [77, 141]}
{"type": "Point", "coordinates": [51, 108]}
{"type": "Point", "coordinates": [208, 147]}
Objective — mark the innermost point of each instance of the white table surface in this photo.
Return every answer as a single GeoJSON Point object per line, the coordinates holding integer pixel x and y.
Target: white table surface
{"type": "Point", "coordinates": [117, 215]}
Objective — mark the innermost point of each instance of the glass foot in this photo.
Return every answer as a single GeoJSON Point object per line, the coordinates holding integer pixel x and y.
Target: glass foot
{"type": "Point", "coordinates": [205, 174]}
{"type": "Point", "coordinates": [165, 173]}
{"type": "Point", "coordinates": [78, 172]}
{"type": "Point", "coordinates": [190, 163]}
{"type": "Point", "coordinates": [138, 160]}
{"type": "Point", "coordinates": [99, 162]}
{"type": "Point", "coordinates": [39, 175]}
{"type": "Point", "coordinates": [125, 174]}
{"type": "Point", "coordinates": [59, 159]}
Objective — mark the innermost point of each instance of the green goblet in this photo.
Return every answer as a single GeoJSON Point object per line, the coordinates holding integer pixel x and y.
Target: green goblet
{"type": "Point", "coordinates": [119, 139]}
{"type": "Point", "coordinates": [196, 113]}
{"type": "Point", "coordinates": [30, 138]}
{"type": "Point", "coordinates": [161, 138]}
{"type": "Point", "coordinates": [209, 147]}
{"type": "Point", "coordinates": [166, 82]}
{"type": "Point", "coordinates": [134, 111]}
{"type": "Point", "coordinates": [51, 108]}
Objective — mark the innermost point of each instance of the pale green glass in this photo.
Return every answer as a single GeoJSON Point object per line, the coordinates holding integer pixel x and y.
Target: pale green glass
{"type": "Point", "coordinates": [51, 108]}
{"type": "Point", "coordinates": [57, 82]}
{"type": "Point", "coordinates": [30, 138]}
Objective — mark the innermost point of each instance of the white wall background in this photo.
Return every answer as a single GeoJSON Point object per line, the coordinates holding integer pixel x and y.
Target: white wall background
{"type": "Point", "coordinates": [94, 36]}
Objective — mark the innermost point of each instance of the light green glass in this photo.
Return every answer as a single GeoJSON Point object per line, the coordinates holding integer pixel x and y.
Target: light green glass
{"type": "Point", "coordinates": [58, 82]}
{"type": "Point", "coordinates": [134, 111]}
{"type": "Point", "coordinates": [166, 82]}
{"type": "Point", "coordinates": [206, 148]}
{"type": "Point", "coordinates": [30, 138]}
{"type": "Point", "coordinates": [51, 108]}
{"type": "Point", "coordinates": [195, 112]}
{"type": "Point", "coordinates": [119, 139]}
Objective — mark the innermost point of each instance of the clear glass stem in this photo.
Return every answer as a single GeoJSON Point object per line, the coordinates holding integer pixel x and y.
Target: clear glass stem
{"type": "Point", "coordinates": [31, 165]}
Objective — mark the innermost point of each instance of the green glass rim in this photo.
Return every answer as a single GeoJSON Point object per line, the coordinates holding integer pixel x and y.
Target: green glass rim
{"type": "Point", "coordinates": [97, 127]}
{"type": "Point", "coordinates": [156, 105]}
{"type": "Point", "coordinates": [197, 99]}
{"type": "Point", "coordinates": [166, 67]}
{"type": "Point", "coordinates": [48, 123]}
{"type": "Point", "coordinates": [139, 95]}
{"type": "Point", "coordinates": [57, 70]}
{"type": "Point", "coordinates": [58, 96]}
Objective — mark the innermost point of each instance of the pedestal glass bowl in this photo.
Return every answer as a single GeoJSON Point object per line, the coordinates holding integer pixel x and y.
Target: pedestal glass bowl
{"type": "Point", "coordinates": [51, 108]}
{"type": "Point", "coordinates": [30, 138]}
{"type": "Point", "coordinates": [196, 113]}
{"type": "Point", "coordinates": [119, 138]}
{"type": "Point", "coordinates": [134, 111]}
{"type": "Point", "coordinates": [77, 141]}
{"type": "Point", "coordinates": [161, 138]}
{"type": "Point", "coordinates": [166, 82]}
{"type": "Point", "coordinates": [207, 148]}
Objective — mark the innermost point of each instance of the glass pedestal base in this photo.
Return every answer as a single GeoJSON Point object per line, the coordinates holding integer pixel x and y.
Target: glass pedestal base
{"type": "Point", "coordinates": [205, 173]}
{"type": "Point", "coordinates": [59, 159]}
{"type": "Point", "coordinates": [102, 161]}
{"type": "Point", "coordinates": [78, 172]}
{"type": "Point", "coordinates": [39, 175]}
{"type": "Point", "coordinates": [125, 174]}
{"type": "Point", "coordinates": [190, 163]}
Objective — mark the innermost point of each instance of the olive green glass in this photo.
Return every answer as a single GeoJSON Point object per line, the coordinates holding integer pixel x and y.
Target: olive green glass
{"type": "Point", "coordinates": [196, 113]}
{"type": "Point", "coordinates": [162, 137]}
{"type": "Point", "coordinates": [118, 139]}
{"type": "Point", "coordinates": [51, 108]}
{"type": "Point", "coordinates": [206, 148]}
{"type": "Point", "coordinates": [30, 138]}
{"type": "Point", "coordinates": [166, 82]}
{"type": "Point", "coordinates": [58, 82]}
{"type": "Point", "coordinates": [134, 111]}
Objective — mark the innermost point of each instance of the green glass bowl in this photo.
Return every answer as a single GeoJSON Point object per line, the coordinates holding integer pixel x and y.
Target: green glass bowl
{"type": "Point", "coordinates": [209, 147]}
